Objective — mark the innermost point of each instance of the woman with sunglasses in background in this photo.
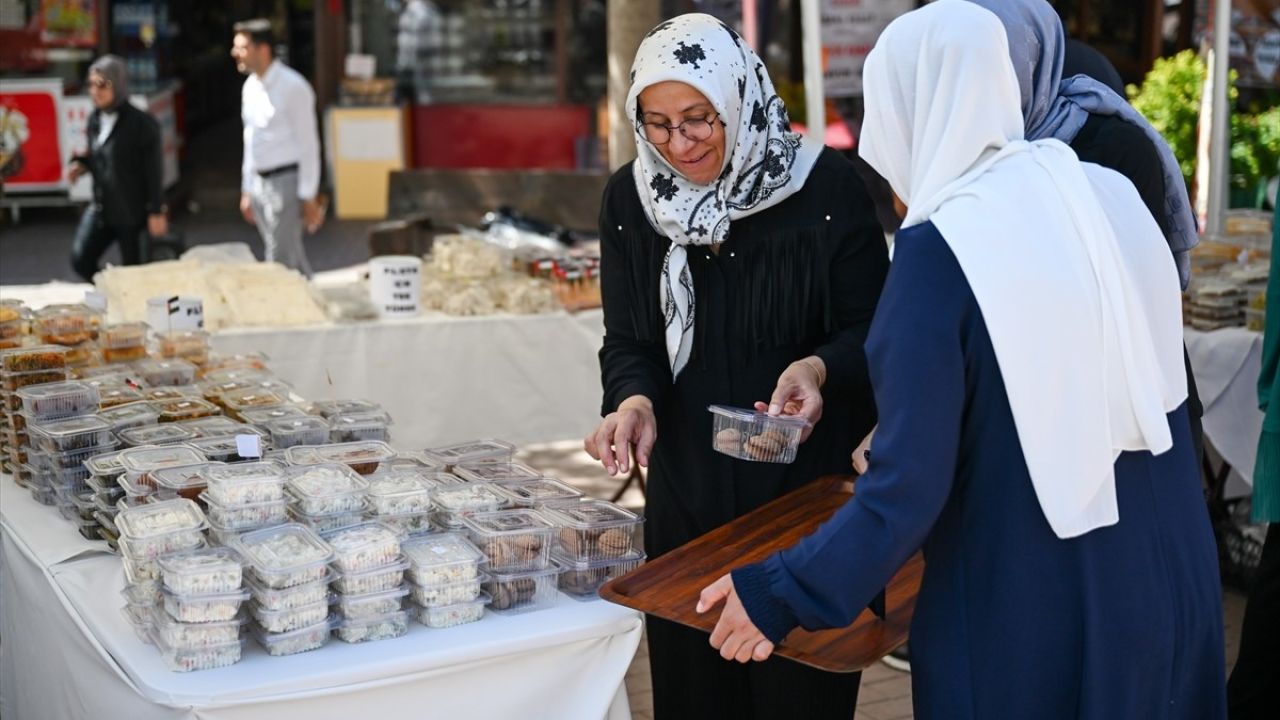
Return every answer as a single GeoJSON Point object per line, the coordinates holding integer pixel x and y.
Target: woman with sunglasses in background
{"type": "Point", "coordinates": [124, 159]}
{"type": "Point", "coordinates": [740, 263]}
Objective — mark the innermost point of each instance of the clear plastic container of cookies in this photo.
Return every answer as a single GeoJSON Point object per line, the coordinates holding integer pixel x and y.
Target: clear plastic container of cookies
{"type": "Point", "coordinates": [289, 432]}
{"type": "Point", "coordinates": [112, 395]}
{"type": "Point", "coordinates": [396, 492]}
{"type": "Point", "coordinates": [199, 658]}
{"type": "Point", "coordinates": [58, 400]}
{"type": "Point", "coordinates": [170, 392]}
{"type": "Point", "coordinates": [521, 592]}
{"type": "Point", "coordinates": [68, 324]}
{"type": "Point", "coordinates": [364, 547]}
{"type": "Point", "coordinates": [128, 415]}
{"type": "Point", "coordinates": [535, 493]}
{"type": "Point", "coordinates": [327, 522]}
{"type": "Point", "coordinates": [382, 627]}
{"type": "Point", "coordinates": [453, 502]}
{"type": "Point", "coordinates": [76, 433]}
{"type": "Point", "coordinates": [371, 605]}
{"type": "Point", "coordinates": [207, 571]}
{"type": "Point", "coordinates": [485, 450]}
{"type": "Point", "coordinates": [227, 447]}
{"type": "Point", "coordinates": [189, 345]}
{"type": "Point", "coordinates": [442, 559]}
{"type": "Point", "coordinates": [252, 398]}
{"type": "Point", "coordinates": [441, 594]}
{"type": "Point", "coordinates": [513, 540]}
{"type": "Point", "coordinates": [748, 434]}
{"type": "Point", "coordinates": [282, 621]}
{"type": "Point", "coordinates": [235, 361]}
{"type": "Point", "coordinates": [155, 435]}
{"type": "Point", "coordinates": [378, 579]}
{"type": "Point", "coordinates": [219, 607]}
{"type": "Point", "coordinates": [245, 516]}
{"type": "Point", "coordinates": [363, 457]}
{"type": "Point", "coordinates": [31, 359]}
{"type": "Point", "coordinates": [263, 416]}
{"type": "Point", "coordinates": [179, 409]}
{"type": "Point", "coordinates": [151, 530]}
{"type": "Point", "coordinates": [165, 372]}
{"type": "Point", "coordinates": [325, 489]}
{"type": "Point", "coordinates": [292, 597]}
{"type": "Point", "coordinates": [496, 472]}
{"type": "Point", "coordinates": [356, 427]}
{"type": "Point", "coordinates": [178, 634]}
{"type": "Point", "coordinates": [302, 640]}
{"type": "Point", "coordinates": [285, 555]}
{"type": "Point", "coordinates": [583, 579]}
{"type": "Point", "coordinates": [593, 530]}
{"type": "Point", "coordinates": [447, 616]}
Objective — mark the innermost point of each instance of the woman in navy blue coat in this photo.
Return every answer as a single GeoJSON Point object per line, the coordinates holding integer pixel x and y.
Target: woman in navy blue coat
{"type": "Point", "coordinates": [1033, 433]}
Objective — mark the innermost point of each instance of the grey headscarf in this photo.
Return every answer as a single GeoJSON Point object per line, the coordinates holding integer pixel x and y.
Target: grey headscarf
{"type": "Point", "coordinates": [112, 69]}
{"type": "Point", "coordinates": [1057, 108]}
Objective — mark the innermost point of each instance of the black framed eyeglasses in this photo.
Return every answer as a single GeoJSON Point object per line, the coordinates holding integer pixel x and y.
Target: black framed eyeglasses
{"type": "Point", "coordinates": [695, 129]}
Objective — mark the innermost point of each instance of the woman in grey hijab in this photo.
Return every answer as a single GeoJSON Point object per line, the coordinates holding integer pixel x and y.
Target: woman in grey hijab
{"type": "Point", "coordinates": [124, 160]}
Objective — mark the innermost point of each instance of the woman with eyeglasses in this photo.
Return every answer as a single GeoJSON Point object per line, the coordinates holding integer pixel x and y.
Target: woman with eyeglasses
{"type": "Point", "coordinates": [124, 159]}
{"type": "Point", "coordinates": [741, 266]}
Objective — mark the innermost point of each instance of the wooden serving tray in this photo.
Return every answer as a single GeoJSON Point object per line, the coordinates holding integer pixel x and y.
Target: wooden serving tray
{"type": "Point", "coordinates": [668, 587]}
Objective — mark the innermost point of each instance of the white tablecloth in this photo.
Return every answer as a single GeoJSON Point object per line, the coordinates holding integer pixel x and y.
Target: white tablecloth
{"type": "Point", "coordinates": [68, 653]}
{"type": "Point", "coordinates": [1226, 364]}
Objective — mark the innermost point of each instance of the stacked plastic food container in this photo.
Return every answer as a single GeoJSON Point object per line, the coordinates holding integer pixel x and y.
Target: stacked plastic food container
{"type": "Point", "coordinates": [594, 544]}
{"type": "Point", "coordinates": [21, 368]}
{"type": "Point", "coordinates": [189, 345]}
{"type": "Point", "coordinates": [75, 327]}
{"type": "Point", "coordinates": [197, 625]}
{"type": "Point", "coordinates": [517, 544]}
{"type": "Point", "coordinates": [401, 498]}
{"type": "Point", "coordinates": [326, 496]}
{"type": "Point", "coordinates": [104, 474]}
{"type": "Point", "coordinates": [288, 579]}
{"type": "Point", "coordinates": [244, 497]}
{"type": "Point", "coordinates": [445, 579]}
{"type": "Point", "coordinates": [62, 433]}
{"type": "Point", "coordinates": [125, 342]}
{"type": "Point", "coordinates": [369, 583]}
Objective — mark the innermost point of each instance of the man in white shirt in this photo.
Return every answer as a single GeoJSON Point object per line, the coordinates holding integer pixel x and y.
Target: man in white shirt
{"type": "Point", "coordinates": [281, 168]}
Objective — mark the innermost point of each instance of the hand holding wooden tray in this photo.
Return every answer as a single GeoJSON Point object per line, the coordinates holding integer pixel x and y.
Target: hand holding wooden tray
{"type": "Point", "coordinates": [668, 587]}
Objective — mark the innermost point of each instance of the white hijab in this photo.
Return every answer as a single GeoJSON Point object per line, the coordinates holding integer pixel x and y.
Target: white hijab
{"type": "Point", "coordinates": [765, 162]}
{"type": "Point", "coordinates": [1087, 330]}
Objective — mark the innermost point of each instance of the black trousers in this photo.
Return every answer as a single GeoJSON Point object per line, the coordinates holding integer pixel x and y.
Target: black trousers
{"type": "Point", "coordinates": [1254, 688]}
{"type": "Point", "coordinates": [691, 681]}
{"type": "Point", "coordinates": [94, 236]}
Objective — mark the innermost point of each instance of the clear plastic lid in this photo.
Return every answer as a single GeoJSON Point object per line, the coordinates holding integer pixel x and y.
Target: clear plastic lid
{"type": "Point", "coordinates": [536, 492]}
{"type": "Point", "coordinates": [130, 415]}
{"type": "Point", "coordinates": [124, 335]}
{"type": "Point", "coordinates": [156, 435]}
{"type": "Point", "coordinates": [185, 409]}
{"type": "Point", "coordinates": [290, 431]}
{"type": "Point", "coordinates": [112, 395]}
{"type": "Point", "coordinates": [291, 597]}
{"type": "Point", "coordinates": [360, 420]}
{"type": "Point", "coordinates": [472, 451]}
{"type": "Point", "coordinates": [161, 518]}
{"type": "Point", "coordinates": [251, 472]}
{"type": "Point", "coordinates": [332, 408]}
{"type": "Point", "coordinates": [183, 478]}
{"type": "Point", "coordinates": [147, 459]}
{"type": "Point", "coordinates": [444, 549]}
{"type": "Point", "coordinates": [364, 547]}
{"type": "Point", "coordinates": [284, 548]}
{"type": "Point", "coordinates": [207, 570]}
{"type": "Point", "coordinates": [590, 515]}
{"type": "Point", "coordinates": [254, 360]}
{"type": "Point", "coordinates": [475, 497]}
{"type": "Point", "coordinates": [383, 627]}
{"type": "Point", "coordinates": [363, 456]}
{"type": "Point", "coordinates": [166, 372]}
{"type": "Point", "coordinates": [105, 465]}
{"type": "Point", "coordinates": [262, 416]}
{"type": "Point", "coordinates": [253, 397]}
{"type": "Point", "coordinates": [170, 392]}
{"type": "Point", "coordinates": [400, 490]}
{"type": "Point", "coordinates": [226, 446]}
{"type": "Point", "coordinates": [86, 431]}
{"type": "Point", "coordinates": [226, 375]}
{"type": "Point", "coordinates": [496, 472]}
{"type": "Point", "coordinates": [749, 415]}
{"type": "Point", "coordinates": [294, 641]}
{"type": "Point", "coordinates": [323, 481]}
{"type": "Point", "coordinates": [504, 523]}
{"type": "Point", "coordinates": [215, 426]}
{"type": "Point", "coordinates": [58, 399]}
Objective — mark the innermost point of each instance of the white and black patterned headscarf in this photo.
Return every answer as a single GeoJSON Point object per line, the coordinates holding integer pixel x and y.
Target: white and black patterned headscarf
{"type": "Point", "coordinates": [764, 161]}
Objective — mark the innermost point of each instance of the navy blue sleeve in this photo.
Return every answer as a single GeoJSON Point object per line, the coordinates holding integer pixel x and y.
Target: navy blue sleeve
{"type": "Point", "coordinates": [917, 368]}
